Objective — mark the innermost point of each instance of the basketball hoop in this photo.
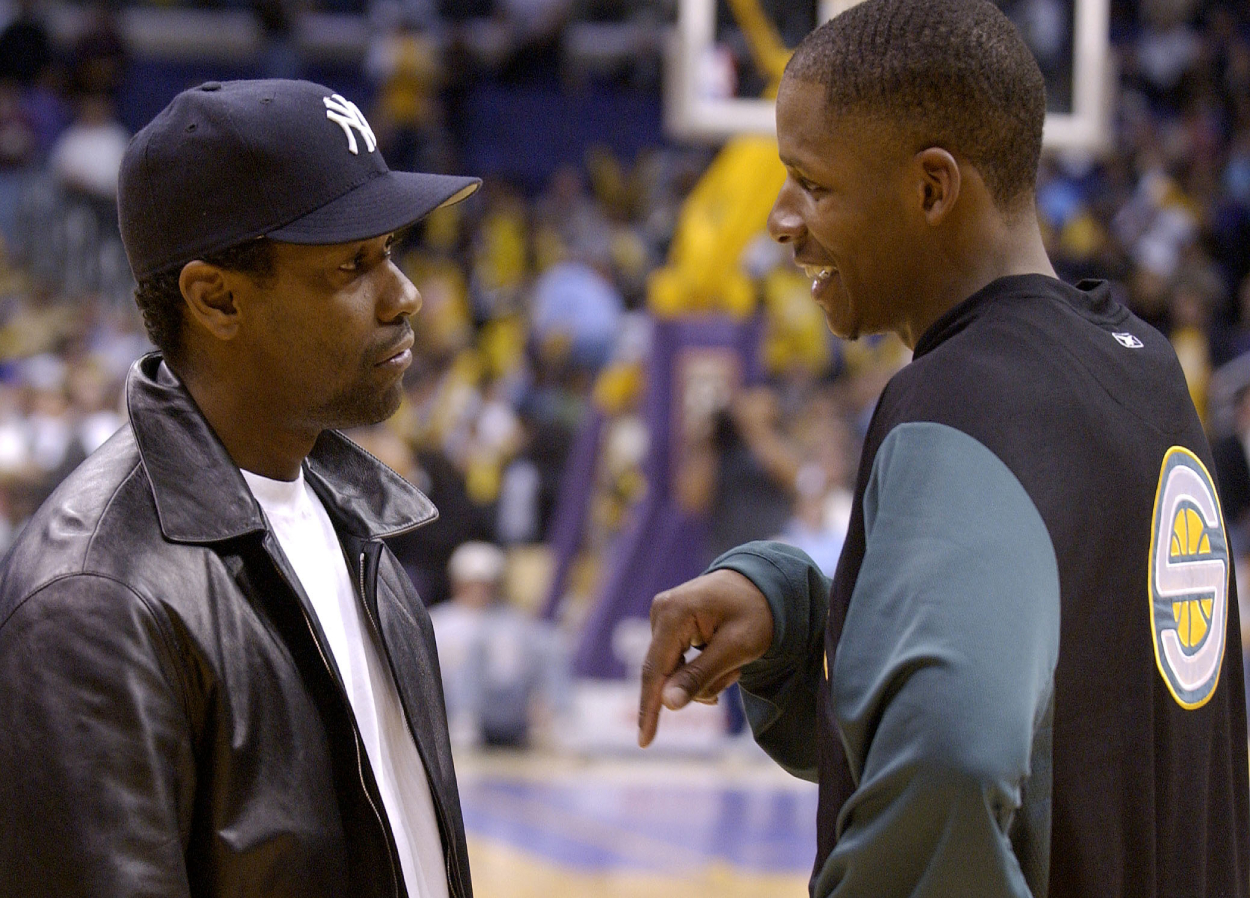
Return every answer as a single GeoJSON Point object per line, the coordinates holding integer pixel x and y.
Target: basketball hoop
{"type": "Point", "coordinates": [696, 109]}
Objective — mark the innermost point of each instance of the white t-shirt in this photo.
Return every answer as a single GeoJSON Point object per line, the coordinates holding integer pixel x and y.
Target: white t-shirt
{"type": "Point", "coordinates": [307, 537]}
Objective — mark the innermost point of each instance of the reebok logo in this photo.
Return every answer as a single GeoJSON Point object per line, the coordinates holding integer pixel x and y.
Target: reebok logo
{"type": "Point", "coordinates": [1128, 341]}
{"type": "Point", "coordinates": [348, 116]}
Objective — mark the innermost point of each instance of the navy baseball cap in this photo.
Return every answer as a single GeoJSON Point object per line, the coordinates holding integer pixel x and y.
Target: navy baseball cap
{"type": "Point", "coordinates": [229, 161]}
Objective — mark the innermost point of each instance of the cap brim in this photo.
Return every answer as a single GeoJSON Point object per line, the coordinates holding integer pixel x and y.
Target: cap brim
{"type": "Point", "coordinates": [389, 202]}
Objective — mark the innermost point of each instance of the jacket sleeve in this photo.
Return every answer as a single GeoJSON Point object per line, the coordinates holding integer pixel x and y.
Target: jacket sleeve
{"type": "Point", "coordinates": [779, 691]}
{"type": "Point", "coordinates": [96, 769]}
{"type": "Point", "coordinates": [942, 683]}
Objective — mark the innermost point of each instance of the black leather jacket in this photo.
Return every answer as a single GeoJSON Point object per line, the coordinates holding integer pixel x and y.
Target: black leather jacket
{"type": "Point", "coordinates": [171, 719]}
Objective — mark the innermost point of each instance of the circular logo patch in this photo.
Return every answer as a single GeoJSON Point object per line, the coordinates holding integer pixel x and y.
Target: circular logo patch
{"type": "Point", "coordinates": [1188, 579]}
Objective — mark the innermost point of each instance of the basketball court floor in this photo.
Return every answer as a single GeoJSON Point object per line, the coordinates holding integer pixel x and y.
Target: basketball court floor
{"type": "Point", "coordinates": [544, 825]}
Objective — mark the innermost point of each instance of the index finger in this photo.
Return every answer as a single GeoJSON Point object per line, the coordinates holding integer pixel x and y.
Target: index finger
{"type": "Point", "coordinates": [671, 635]}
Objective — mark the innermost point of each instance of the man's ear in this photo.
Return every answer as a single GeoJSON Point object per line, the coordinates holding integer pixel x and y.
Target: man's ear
{"type": "Point", "coordinates": [206, 289]}
{"type": "Point", "coordinates": [940, 183]}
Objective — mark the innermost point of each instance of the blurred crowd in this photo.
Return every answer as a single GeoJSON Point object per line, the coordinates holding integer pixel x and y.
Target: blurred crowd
{"type": "Point", "coordinates": [539, 299]}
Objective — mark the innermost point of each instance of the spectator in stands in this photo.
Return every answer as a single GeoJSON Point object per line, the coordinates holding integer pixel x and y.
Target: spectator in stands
{"type": "Point", "coordinates": [99, 57]}
{"type": "Point", "coordinates": [18, 147]}
{"type": "Point", "coordinates": [1196, 293]}
{"type": "Point", "coordinates": [504, 673]}
{"type": "Point", "coordinates": [808, 528]}
{"type": "Point", "coordinates": [25, 59]}
{"type": "Point", "coordinates": [94, 398]}
{"type": "Point", "coordinates": [84, 165]}
{"type": "Point", "coordinates": [84, 162]}
{"type": "Point", "coordinates": [501, 254]}
{"type": "Point", "coordinates": [424, 553]}
{"type": "Point", "coordinates": [576, 313]}
{"type": "Point", "coordinates": [1164, 48]}
{"type": "Point", "coordinates": [87, 156]}
{"type": "Point", "coordinates": [567, 215]}
{"type": "Point", "coordinates": [25, 46]}
{"type": "Point", "coordinates": [534, 28]}
{"type": "Point", "coordinates": [1235, 339]}
{"type": "Point", "coordinates": [742, 473]}
{"type": "Point", "coordinates": [1231, 453]}
{"type": "Point", "coordinates": [280, 55]}
{"type": "Point", "coordinates": [405, 63]}
{"type": "Point", "coordinates": [531, 479]}
{"type": "Point", "coordinates": [823, 485]}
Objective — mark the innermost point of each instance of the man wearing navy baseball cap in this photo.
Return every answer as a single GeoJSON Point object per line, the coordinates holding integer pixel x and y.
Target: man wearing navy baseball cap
{"type": "Point", "coordinates": [214, 677]}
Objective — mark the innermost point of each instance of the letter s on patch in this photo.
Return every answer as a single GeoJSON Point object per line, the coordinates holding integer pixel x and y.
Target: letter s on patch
{"type": "Point", "coordinates": [1188, 579]}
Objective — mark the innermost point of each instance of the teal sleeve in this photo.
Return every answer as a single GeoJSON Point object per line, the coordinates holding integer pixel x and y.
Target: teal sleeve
{"type": "Point", "coordinates": [780, 689]}
{"type": "Point", "coordinates": [942, 683]}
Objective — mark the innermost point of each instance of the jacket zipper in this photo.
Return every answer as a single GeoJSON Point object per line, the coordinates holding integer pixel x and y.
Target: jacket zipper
{"type": "Point", "coordinates": [360, 772]}
{"type": "Point", "coordinates": [454, 881]}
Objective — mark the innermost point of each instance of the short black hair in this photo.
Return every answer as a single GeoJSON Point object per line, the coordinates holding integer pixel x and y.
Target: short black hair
{"type": "Point", "coordinates": [949, 73]}
{"type": "Point", "coordinates": [160, 299]}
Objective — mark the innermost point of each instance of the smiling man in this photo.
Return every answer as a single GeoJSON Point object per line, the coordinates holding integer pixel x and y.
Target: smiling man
{"type": "Point", "coordinates": [1025, 676]}
{"type": "Point", "coordinates": [216, 678]}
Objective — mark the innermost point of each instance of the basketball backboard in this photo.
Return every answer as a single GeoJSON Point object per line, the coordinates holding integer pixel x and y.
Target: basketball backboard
{"type": "Point", "coordinates": [1071, 44]}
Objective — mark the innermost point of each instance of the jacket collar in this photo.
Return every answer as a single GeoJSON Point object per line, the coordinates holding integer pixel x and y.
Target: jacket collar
{"type": "Point", "coordinates": [1090, 298]}
{"type": "Point", "coordinates": [201, 497]}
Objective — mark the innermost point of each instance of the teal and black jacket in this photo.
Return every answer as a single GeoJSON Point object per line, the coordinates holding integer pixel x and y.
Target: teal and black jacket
{"type": "Point", "coordinates": [1026, 676]}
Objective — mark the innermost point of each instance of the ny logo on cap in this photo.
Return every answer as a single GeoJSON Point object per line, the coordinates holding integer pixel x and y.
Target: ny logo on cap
{"type": "Point", "coordinates": [347, 114]}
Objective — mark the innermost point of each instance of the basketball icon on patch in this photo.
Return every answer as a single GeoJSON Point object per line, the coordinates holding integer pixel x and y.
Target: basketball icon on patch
{"type": "Point", "coordinates": [1188, 579]}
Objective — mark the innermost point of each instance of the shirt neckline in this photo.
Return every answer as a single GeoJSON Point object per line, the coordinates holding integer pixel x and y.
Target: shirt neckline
{"type": "Point", "coordinates": [275, 493]}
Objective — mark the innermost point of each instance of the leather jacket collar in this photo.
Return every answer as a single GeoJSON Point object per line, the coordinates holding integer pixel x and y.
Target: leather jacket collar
{"type": "Point", "coordinates": [200, 495]}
